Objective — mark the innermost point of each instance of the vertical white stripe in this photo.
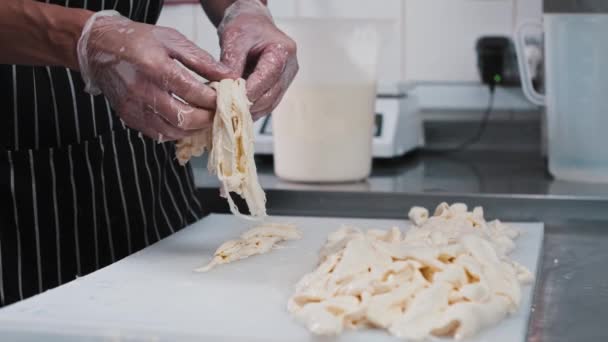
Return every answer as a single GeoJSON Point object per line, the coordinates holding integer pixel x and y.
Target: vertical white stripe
{"type": "Point", "coordinates": [150, 180]}
{"type": "Point", "coordinates": [105, 202]}
{"type": "Point", "coordinates": [74, 211]}
{"type": "Point", "coordinates": [170, 191]}
{"type": "Point", "coordinates": [16, 215]}
{"type": "Point", "coordinates": [15, 109]}
{"type": "Point", "coordinates": [103, 4]}
{"type": "Point", "coordinates": [93, 202]}
{"type": "Point", "coordinates": [137, 185]}
{"type": "Point", "coordinates": [36, 135]}
{"type": "Point", "coordinates": [36, 227]}
{"type": "Point", "coordinates": [74, 105]}
{"type": "Point", "coordinates": [56, 212]}
{"type": "Point", "coordinates": [146, 11]}
{"type": "Point", "coordinates": [109, 111]}
{"type": "Point", "coordinates": [115, 4]}
{"type": "Point", "coordinates": [85, 5]}
{"type": "Point", "coordinates": [192, 185]}
{"type": "Point", "coordinates": [122, 194]}
{"type": "Point", "coordinates": [1, 278]}
{"type": "Point", "coordinates": [181, 185]}
{"type": "Point", "coordinates": [130, 9]}
{"type": "Point", "coordinates": [55, 110]}
{"type": "Point", "coordinates": [160, 196]}
{"type": "Point", "coordinates": [93, 115]}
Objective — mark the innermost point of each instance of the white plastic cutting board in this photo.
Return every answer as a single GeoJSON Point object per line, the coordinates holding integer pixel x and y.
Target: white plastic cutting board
{"type": "Point", "coordinates": [155, 296]}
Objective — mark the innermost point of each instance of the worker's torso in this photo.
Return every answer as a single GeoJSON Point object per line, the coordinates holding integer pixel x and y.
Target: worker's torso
{"type": "Point", "coordinates": [78, 190]}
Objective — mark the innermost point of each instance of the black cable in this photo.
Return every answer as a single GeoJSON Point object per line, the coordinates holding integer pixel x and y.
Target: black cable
{"type": "Point", "coordinates": [480, 131]}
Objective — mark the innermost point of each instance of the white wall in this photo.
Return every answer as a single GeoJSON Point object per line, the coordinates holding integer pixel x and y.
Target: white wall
{"type": "Point", "coordinates": [441, 36]}
{"type": "Point", "coordinates": [528, 9]}
{"type": "Point", "coordinates": [430, 41]}
{"type": "Point", "coordinates": [190, 19]}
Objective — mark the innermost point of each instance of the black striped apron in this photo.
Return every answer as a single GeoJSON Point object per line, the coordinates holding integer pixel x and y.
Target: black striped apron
{"type": "Point", "coordinates": [78, 190]}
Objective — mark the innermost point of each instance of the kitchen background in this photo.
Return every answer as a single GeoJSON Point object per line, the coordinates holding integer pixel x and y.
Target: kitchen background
{"type": "Point", "coordinates": [431, 44]}
{"type": "Point", "coordinates": [432, 100]}
{"type": "Point", "coordinates": [430, 52]}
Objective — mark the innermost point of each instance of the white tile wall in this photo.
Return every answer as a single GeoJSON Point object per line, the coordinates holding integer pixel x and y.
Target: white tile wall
{"type": "Point", "coordinates": [441, 36]}
{"type": "Point", "coordinates": [528, 9]}
{"type": "Point", "coordinates": [192, 21]}
{"type": "Point", "coordinates": [205, 34]}
{"type": "Point", "coordinates": [430, 40]}
{"type": "Point", "coordinates": [179, 17]}
{"type": "Point", "coordinates": [283, 8]}
{"type": "Point", "coordinates": [379, 9]}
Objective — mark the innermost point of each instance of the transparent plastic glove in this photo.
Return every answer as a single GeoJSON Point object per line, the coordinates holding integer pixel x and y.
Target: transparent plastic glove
{"type": "Point", "coordinates": [134, 66]}
{"type": "Point", "coordinates": [259, 52]}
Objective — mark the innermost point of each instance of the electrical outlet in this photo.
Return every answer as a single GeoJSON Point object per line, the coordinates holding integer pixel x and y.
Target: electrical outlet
{"type": "Point", "coordinates": [497, 62]}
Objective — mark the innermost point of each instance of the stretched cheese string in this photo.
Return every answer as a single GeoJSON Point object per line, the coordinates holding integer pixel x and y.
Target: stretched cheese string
{"type": "Point", "coordinates": [231, 148]}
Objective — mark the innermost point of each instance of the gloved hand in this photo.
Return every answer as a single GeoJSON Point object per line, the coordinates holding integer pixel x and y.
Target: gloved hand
{"type": "Point", "coordinates": [133, 65]}
{"type": "Point", "coordinates": [259, 52]}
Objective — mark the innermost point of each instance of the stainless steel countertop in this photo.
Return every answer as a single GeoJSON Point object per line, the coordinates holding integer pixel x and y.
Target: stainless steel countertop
{"type": "Point", "coordinates": [571, 299]}
{"type": "Point", "coordinates": [473, 172]}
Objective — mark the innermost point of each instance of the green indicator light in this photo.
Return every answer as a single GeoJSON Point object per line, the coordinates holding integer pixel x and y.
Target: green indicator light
{"type": "Point", "coordinates": [497, 78]}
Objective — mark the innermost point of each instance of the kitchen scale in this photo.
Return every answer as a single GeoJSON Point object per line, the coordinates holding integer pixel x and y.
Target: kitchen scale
{"type": "Point", "coordinates": [397, 126]}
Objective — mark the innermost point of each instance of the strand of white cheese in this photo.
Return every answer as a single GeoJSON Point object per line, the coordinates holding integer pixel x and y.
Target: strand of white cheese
{"type": "Point", "coordinates": [230, 143]}
{"type": "Point", "coordinates": [258, 240]}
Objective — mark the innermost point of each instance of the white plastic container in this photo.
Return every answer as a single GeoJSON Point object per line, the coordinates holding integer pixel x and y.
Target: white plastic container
{"type": "Point", "coordinates": [323, 128]}
{"type": "Point", "coordinates": [576, 69]}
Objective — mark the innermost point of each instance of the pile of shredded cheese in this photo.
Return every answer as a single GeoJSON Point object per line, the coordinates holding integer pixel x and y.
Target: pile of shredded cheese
{"type": "Point", "coordinates": [449, 275]}
{"type": "Point", "coordinates": [231, 148]}
{"type": "Point", "coordinates": [259, 240]}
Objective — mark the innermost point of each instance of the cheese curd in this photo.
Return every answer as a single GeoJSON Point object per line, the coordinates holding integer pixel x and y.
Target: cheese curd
{"type": "Point", "coordinates": [258, 240]}
{"type": "Point", "coordinates": [448, 275]}
{"type": "Point", "coordinates": [231, 148]}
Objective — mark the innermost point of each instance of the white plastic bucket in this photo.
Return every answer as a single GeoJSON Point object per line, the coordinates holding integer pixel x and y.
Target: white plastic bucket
{"type": "Point", "coordinates": [323, 128]}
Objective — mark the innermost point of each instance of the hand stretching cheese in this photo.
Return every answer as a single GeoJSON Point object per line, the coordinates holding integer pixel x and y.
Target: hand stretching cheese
{"type": "Point", "coordinates": [449, 275]}
{"type": "Point", "coordinates": [231, 148]}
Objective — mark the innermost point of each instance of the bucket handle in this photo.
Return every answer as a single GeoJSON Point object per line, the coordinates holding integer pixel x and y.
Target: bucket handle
{"type": "Point", "coordinates": [524, 68]}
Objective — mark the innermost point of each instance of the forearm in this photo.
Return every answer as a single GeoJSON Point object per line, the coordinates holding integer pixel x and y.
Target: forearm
{"type": "Point", "coordinates": [33, 33]}
{"type": "Point", "coordinates": [215, 9]}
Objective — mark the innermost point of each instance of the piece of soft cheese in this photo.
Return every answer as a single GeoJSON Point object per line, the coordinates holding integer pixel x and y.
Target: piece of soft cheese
{"type": "Point", "coordinates": [259, 240]}
{"type": "Point", "coordinates": [449, 275]}
{"type": "Point", "coordinates": [230, 143]}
